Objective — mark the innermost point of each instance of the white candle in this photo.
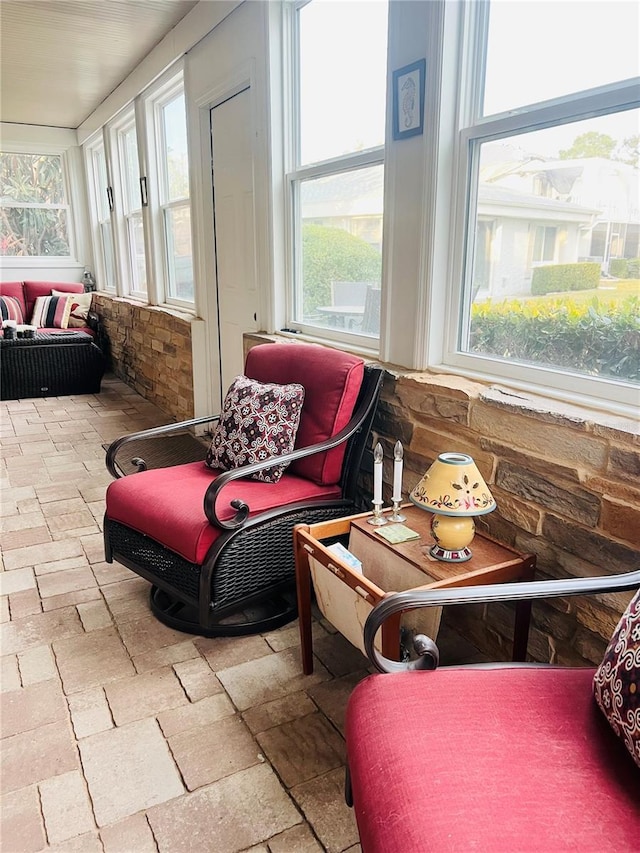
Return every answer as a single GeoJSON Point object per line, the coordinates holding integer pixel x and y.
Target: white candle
{"type": "Point", "coordinates": [377, 474]}
{"type": "Point", "coordinates": [397, 472]}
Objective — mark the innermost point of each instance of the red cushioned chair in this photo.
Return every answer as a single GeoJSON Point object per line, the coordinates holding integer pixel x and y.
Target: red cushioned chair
{"type": "Point", "coordinates": [217, 546]}
{"type": "Point", "coordinates": [497, 757]}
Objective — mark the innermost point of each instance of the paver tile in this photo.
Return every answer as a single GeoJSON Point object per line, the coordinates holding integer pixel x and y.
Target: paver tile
{"type": "Point", "coordinates": [227, 816]}
{"type": "Point", "coordinates": [33, 555]}
{"type": "Point", "coordinates": [66, 807]}
{"type": "Point", "coordinates": [22, 828]}
{"type": "Point", "coordinates": [9, 674]}
{"type": "Point", "coordinates": [258, 681]}
{"type": "Point", "coordinates": [128, 769]}
{"type": "Point", "coordinates": [166, 656]}
{"type": "Point", "coordinates": [197, 679]}
{"type": "Point", "coordinates": [24, 603]}
{"type": "Point", "coordinates": [302, 749]}
{"type": "Point", "coordinates": [39, 629]}
{"type": "Point", "coordinates": [16, 581]}
{"type": "Point", "coordinates": [298, 839]}
{"type": "Point", "coordinates": [31, 707]}
{"type": "Point", "coordinates": [129, 835]}
{"type": "Point", "coordinates": [279, 711]}
{"type": "Point", "coordinates": [59, 583]}
{"type": "Point", "coordinates": [322, 801]}
{"type": "Point", "coordinates": [224, 652]}
{"type": "Point", "coordinates": [36, 755]}
{"type": "Point", "coordinates": [91, 659]}
{"type": "Point", "coordinates": [37, 665]}
{"type": "Point", "coordinates": [144, 695]}
{"type": "Point", "coordinates": [147, 634]}
{"type": "Point", "coordinates": [196, 715]}
{"type": "Point", "coordinates": [90, 712]}
{"type": "Point", "coordinates": [204, 756]}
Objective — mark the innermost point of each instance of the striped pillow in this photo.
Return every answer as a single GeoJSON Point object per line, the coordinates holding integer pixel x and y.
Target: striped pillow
{"type": "Point", "coordinates": [51, 312]}
{"type": "Point", "coordinates": [10, 309]}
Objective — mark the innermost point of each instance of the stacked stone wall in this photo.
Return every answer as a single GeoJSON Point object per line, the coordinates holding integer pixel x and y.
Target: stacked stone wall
{"type": "Point", "coordinates": [150, 350]}
{"type": "Point", "coordinates": [567, 484]}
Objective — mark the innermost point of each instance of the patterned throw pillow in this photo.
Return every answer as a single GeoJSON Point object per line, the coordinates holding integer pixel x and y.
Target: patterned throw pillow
{"type": "Point", "coordinates": [10, 309]}
{"type": "Point", "coordinates": [51, 312]}
{"type": "Point", "coordinates": [616, 684]}
{"type": "Point", "coordinates": [258, 420]}
{"type": "Point", "coordinates": [80, 307]}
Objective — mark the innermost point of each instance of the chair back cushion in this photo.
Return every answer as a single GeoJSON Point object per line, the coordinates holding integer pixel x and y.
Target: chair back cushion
{"type": "Point", "coordinates": [616, 684]}
{"type": "Point", "coordinates": [331, 380]}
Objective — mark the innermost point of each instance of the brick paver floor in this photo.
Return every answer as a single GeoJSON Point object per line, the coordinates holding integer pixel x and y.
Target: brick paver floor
{"type": "Point", "coordinates": [119, 734]}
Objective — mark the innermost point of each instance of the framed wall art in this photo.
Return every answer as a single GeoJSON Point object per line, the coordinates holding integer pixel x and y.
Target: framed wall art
{"type": "Point", "coordinates": [408, 100]}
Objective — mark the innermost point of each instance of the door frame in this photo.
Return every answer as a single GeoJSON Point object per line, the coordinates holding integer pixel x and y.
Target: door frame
{"type": "Point", "coordinates": [207, 390]}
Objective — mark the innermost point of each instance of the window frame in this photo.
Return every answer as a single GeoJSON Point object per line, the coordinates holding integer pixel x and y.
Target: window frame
{"type": "Point", "coordinates": [295, 175]}
{"type": "Point", "coordinates": [42, 261]}
{"type": "Point", "coordinates": [93, 148]}
{"type": "Point", "coordinates": [471, 131]}
{"type": "Point", "coordinates": [155, 100]}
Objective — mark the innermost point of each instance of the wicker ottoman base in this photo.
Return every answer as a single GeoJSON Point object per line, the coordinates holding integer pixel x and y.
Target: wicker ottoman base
{"type": "Point", "coordinates": [50, 365]}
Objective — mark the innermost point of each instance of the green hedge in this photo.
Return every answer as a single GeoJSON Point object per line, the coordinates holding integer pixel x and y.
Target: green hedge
{"type": "Point", "coordinates": [559, 278]}
{"type": "Point", "coordinates": [625, 267]}
{"type": "Point", "coordinates": [600, 339]}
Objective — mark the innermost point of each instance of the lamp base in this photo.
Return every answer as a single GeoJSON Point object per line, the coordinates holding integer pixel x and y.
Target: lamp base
{"type": "Point", "coordinates": [461, 555]}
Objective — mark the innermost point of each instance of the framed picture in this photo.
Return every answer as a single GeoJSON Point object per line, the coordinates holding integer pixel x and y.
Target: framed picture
{"type": "Point", "coordinates": [408, 100]}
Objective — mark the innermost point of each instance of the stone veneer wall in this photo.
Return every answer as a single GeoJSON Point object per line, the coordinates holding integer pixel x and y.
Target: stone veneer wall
{"type": "Point", "coordinates": [567, 485]}
{"type": "Point", "coordinates": [150, 350]}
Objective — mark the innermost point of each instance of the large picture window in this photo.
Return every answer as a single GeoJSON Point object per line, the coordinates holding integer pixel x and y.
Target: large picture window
{"type": "Point", "coordinates": [551, 269]}
{"type": "Point", "coordinates": [336, 183]}
{"type": "Point", "coordinates": [33, 206]}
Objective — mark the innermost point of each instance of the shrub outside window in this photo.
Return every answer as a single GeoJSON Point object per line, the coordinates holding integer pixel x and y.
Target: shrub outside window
{"type": "Point", "coordinates": [336, 185]}
{"type": "Point", "coordinates": [551, 269]}
{"type": "Point", "coordinates": [33, 206]}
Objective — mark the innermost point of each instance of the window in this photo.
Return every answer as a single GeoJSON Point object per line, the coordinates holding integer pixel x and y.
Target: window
{"type": "Point", "coordinates": [130, 196]}
{"type": "Point", "coordinates": [549, 160]}
{"type": "Point", "coordinates": [33, 205]}
{"type": "Point", "coordinates": [101, 198]}
{"type": "Point", "coordinates": [174, 208]}
{"type": "Point", "coordinates": [336, 183]}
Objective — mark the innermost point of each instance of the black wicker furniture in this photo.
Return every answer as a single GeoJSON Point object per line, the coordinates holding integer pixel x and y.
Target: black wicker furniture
{"type": "Point", "coordinates": [51, 364]}
{"type": "Point", "coordinates": [217, 546]}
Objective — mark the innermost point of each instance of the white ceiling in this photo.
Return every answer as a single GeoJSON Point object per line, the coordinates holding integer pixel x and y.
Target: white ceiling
{"type": "Point", "coordinates": [59, 59]}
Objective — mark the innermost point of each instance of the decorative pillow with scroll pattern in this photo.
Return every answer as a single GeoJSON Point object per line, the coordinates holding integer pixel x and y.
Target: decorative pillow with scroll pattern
{"type": "Point", "coordinates": [258, 421]}
{"type": "Point", "coordinates": [616, 684]}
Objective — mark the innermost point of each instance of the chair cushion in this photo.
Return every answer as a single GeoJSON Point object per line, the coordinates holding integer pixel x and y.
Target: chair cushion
{"type": "Point", "coordinates": [51, 312]}
{"type": "Point", "coordinates": [80, 307]}
{"type": "Point", "coordinates": [11, 309]}
{"type": "Point", "coordinates": [616, 684]}
{"type": "Point", "coordinates": [258, 420]}
{"type": "Point", "coordinates": [167, 504]}
{"type": "Point", "coordinates": [33, 289]}
{"type": "Point", "coordinates": [332, 381]}
{"type": "Point", "coordinates": [495, 760]}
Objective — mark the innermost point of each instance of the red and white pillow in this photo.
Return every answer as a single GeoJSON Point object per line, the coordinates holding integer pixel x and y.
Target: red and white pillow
{"type": "Point", "coordinates": [616, 684]}
{"type": "Point", "coordinates": [10, 309]}
{"type": "Point", "coordinates": [258, 421]}
{"type": "Point", "coordinates": [52, 312]}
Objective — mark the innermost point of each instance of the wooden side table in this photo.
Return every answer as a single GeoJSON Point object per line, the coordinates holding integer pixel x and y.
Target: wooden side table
{"type": "Point", "coordinates": [348, 595]}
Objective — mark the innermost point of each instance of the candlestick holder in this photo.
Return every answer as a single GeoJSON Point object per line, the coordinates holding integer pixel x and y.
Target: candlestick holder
{"type": "Point", "coordinates": [396, 515]}
{"type": "Point", "coordinates": [377, 518]}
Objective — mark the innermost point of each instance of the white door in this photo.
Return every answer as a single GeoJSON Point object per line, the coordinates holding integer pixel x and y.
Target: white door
{"type": "Point", "coordinates": [234, 226]}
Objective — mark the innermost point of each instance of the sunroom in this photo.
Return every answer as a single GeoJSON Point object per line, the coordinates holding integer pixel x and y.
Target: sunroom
{"type": "Point", "coordinates": [446, 190]}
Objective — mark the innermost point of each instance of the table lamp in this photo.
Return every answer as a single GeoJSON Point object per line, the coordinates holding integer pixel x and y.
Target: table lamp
{"type": "Point", "coordinates": [454, 491]}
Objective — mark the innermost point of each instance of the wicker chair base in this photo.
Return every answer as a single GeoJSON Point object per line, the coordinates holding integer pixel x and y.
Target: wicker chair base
{"type": "Point", "coordinates": [265, 615]}
{"type": "Point", "coordinates": [251, 586]}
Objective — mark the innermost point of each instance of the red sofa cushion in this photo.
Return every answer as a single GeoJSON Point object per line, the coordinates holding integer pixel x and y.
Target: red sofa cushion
{"type": "Point", "coordinates": [494, 760]}
{"type": "Point", "coordinates": [331, 380]}
{"type": "Point", "coordinates": [167, 504]}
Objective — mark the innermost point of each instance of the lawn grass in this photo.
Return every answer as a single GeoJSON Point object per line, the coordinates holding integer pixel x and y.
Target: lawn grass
{"type": "Point", "coordinates": [609, 292]}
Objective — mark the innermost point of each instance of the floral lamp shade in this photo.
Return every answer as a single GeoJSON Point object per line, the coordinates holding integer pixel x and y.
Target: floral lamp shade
{"type": "Point", "coordinates": [454, 490]}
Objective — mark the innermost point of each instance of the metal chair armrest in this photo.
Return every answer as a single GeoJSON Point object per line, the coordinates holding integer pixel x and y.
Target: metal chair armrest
{"type": "Point", "coordinates": [165, 429]}
{"type": "Point", "coordinates": [525, 591]}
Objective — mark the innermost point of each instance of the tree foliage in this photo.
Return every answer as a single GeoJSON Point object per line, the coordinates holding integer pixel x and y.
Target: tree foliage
{"type": "Point", "coordinates": [331, 254]}
{"type": "Point", "coordinates": [27, 179]}
{"type": "Point", "coordinates": [589, 144]}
